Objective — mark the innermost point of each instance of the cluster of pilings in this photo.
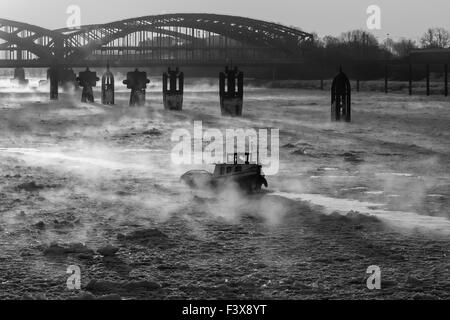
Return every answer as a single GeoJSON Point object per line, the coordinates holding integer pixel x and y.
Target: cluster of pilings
{"type": "Point", "coordinates": [87, 80]}
{"type": "Point", "coordinates": [231, 87]}
{"type": "Point", "coordinates": [341, 98]}
{"type": "Point", "coordinates": [341, 90]}
{"type": "Point", "coordinates": [173, 89]}
{"type": "Point", "coordinates": [425, 68]}
{"type": "Point", "coordinates": [108, 87]}
{"type": "Point", "coordinates": [410, 80]}
{"type": "Point", "coordinates": [137, 81]}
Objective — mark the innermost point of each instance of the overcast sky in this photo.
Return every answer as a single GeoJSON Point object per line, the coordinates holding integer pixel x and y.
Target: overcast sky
{"type": "Point", "coordinates": [400, 18]}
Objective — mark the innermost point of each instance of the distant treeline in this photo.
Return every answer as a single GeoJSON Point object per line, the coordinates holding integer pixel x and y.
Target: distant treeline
{"type": "Point", "coordinates": [363, 57]}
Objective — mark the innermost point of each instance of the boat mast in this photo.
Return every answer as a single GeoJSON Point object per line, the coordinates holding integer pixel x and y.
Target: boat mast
{"type": "Point", "coordinates": [257, 148]}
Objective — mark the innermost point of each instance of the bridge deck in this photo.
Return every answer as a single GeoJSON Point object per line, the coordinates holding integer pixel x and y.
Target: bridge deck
{"type": "Point", "coordinates": [147, 63]}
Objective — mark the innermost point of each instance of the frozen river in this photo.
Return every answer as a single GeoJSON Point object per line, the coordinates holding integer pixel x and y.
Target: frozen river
{"type": "Point", "coordinates": [347, 196]}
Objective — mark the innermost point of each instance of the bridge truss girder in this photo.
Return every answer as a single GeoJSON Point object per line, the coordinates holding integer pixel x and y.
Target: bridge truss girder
{"type": "Point", "coordinates": [69, 46]}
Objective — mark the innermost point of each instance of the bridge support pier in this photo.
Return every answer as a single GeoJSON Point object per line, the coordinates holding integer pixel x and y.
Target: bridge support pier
{"type": "Point", "coordinates": [59, 76]}
{"type": "Point", "coordinates": [19, 77]}
{"type": "Point", "coordinates": [68, 79]}
{"type": "Point", "coordinates": [173, 96]}
{"type": "Point", "coordinates": [231, 88]}
{"type": "Point", "coordinates": [53, 77]}
{"type": "Point", "coordinates": [137, 81]}
{"type": "Point", "coordinates": [87, 80]}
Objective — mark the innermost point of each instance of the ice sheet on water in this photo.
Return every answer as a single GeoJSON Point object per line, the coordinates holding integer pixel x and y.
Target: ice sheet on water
{"type": "Point", "coordinates": [409, 220]}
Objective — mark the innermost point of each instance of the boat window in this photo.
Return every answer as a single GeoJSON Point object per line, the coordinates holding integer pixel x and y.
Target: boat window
{"type": "Point", "coordinates": [238, 169]}
{"type": "Point", "coordinates": [222, 170]}
{"type": "Point", "coordinates": [229, 169]}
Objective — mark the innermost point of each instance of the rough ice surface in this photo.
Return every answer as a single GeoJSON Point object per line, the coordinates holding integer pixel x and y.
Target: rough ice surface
{"type": "Point", "coordinates": [78, 178]}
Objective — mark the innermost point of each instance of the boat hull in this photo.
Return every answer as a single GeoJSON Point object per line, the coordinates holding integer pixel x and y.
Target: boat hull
{"type": "Point", "coordinates": [246, 182]}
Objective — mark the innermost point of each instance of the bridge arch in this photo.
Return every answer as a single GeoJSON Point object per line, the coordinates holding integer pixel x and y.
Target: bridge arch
{"type": "Point", "coordinates": [288, 41]}
{"type": "Point", "coordinates": [199, 36]}
{"type": "Point", "coordinates": [29, 40]}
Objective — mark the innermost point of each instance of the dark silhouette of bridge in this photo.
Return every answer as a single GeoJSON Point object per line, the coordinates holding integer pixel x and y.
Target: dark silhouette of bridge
{"type": "Point", "coordinates": [160, 40]}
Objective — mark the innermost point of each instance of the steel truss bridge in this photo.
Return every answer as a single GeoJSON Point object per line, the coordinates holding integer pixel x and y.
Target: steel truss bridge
{"type": "Point", "coordinates": [160, 40]}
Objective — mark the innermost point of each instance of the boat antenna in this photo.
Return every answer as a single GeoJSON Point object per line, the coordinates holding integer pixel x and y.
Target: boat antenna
{"type": "Point", "coordinates": [257, 149]}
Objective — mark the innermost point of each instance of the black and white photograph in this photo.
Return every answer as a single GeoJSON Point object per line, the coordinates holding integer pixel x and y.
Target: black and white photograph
{"type": "Point", "coordinates": [205, 151]}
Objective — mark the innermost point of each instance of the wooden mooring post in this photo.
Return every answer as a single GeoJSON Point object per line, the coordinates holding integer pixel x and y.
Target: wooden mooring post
{"type": "Point", "coordinates": [386, 75]}
{"type": "Point", "coordinates": [410, 79]}
{"type": "Point", "coordinates": [446, 80]}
